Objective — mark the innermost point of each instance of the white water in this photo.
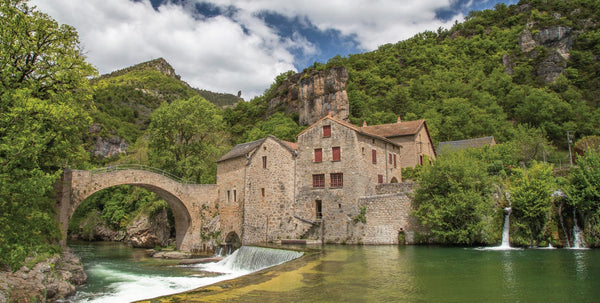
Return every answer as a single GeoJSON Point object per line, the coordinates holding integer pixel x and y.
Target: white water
{"type": "Point", "coordinates": [127, 286]}
{"type": "Point", "coordinates": [505, 245]}
{"type": "Point", "coordinates": [578, 242]}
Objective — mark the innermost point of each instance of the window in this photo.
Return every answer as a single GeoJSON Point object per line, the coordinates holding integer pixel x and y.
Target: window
{"type": "Point", "coordinates": [318, 154]}
{"type": "Point", "coordinates": [319, 209]}
{"type": "Point", "coordinates": [394, 160]}
{"type": "Point", "coordinates": [264, 161]}
{"type": "Point", "coordinates": [421, 160]}
{"type": "Point", "coordinates": [391, 160]}
{"type": "Point", "coordinates": [379, 178]}
{"type": "Point", "coordinates": [374, 156]}
{"type": "Point", "coordinates": [262, 192]}
{"type": "Point", "coordinates": [337, 180]}
{"type": "Point", "coordinates": [234, 196]}
{"type": "Point", "coordinates": [228, 192]}
{"type": "Point", "coordinates": [336, 153]}
{"type": "Point", "coordinates": [319, 180]}
{"type": "Point", "coordinates": [326, 131]}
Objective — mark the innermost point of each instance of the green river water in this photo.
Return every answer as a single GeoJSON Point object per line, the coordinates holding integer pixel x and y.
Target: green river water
{"type": "Point", "coordinates": [339, 273]}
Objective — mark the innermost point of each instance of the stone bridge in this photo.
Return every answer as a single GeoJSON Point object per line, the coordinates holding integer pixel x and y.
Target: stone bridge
{"type": "Point", "coordinates": [187, 201]}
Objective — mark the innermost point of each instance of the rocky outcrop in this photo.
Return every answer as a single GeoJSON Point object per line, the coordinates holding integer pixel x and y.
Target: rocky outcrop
{"type": "Point", "coordinates": [48, 281]}
{"type": "Point", "coordinates": [557, 41]}
{"type": "Point", "coordinates": [313, 95]}
{"type": "Point", "coordinates": [149, 231]}
{"type": "Point", "coordinates": [108, 147]}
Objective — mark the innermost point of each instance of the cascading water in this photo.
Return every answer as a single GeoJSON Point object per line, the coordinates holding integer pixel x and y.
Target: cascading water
{"type": "Point", "coordinates": [506, 230]}
{"type": "Point", "coordinates": [250, 258]}
{"type": "Point", "coordinates": [578, 242]}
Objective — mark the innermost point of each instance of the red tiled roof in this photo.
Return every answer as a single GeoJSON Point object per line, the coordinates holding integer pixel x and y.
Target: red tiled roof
{"type": "Point", "coordinates": [292, 145]}
{"type": "Point", "coordinates": [395, 129]}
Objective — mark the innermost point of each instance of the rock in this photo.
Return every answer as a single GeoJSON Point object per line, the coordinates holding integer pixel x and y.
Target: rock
{"type": "Point", "coordinates": [108, 147]}
{"type": "Point", "coordinates": [313, 95]}
{"type": "Point", "coordinates": [148, 232]}
{"type": "Point", "coordinates": [48, 281]}
{"type": "Point", "coordinates": [200, 260]}
{"type": "Point", "coordinates": [557, 40]}
{"type": "Point", "coordinates": [172, 255]}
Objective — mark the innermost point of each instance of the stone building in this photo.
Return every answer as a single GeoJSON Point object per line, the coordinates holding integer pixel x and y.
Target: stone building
{"type": "Point", "coordinates": [272, 190]}
{"type": "Point", "coordinates": [413, 136]}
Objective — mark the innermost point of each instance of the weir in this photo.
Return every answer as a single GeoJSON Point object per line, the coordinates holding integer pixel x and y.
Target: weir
{"type": "Point", "coordinates": [252, 258]}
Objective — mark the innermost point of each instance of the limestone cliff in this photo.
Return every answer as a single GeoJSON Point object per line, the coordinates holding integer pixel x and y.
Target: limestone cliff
{"type": "Point", "coordinates": [313, 95]}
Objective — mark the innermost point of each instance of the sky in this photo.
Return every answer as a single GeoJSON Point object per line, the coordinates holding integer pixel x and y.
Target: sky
{"type": "Point", "coordinates": [242, 45]}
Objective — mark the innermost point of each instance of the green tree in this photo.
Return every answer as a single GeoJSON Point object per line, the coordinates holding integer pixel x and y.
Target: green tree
{"type": "Point", "coordinates": [186, 137]}
{"type": "Point", "coordinates": [531, 195]}
{"type": "Point", "coordinates": [584, 193]}
{"type": "Point", "coordinates": [454, 199]}
{"type": "Point", "coordinates": [43, 93]}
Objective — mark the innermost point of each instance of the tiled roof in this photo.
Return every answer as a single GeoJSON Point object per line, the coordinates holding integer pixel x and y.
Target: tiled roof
{"type": "Point", "coordinates": [241, 150]}
{"type": "Point", "coordinates": [352, 127]}
{"type": "Point", "coordinates": [249, 147]}
{"type": "Point", "coordinates": [395, 129]}
{"type": "Point", "coordinates": [468, 143]}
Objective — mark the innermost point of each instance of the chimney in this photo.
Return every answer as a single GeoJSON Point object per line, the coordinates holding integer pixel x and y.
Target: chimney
{"type": "Point", "coordinates": [364, 123]}
{"type": "Point", "coordinates": [399, 120]}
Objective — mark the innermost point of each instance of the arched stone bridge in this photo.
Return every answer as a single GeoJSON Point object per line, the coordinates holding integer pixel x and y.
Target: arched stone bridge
{"type": "Point", "coordinates": [187, 201]}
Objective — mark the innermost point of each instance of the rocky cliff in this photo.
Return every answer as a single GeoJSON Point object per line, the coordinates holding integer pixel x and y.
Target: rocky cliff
{"type": "Point", "coordinates": [313, 95]}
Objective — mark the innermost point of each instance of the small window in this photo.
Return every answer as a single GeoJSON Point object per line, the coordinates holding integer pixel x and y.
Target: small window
{"type": "Point", "coordinates": [421, 159]}
{"type": "Point", "coordinates": [326, 131]}
{"type": "Point", "coordinates": [262, 192]}
{"type": "Point", "coordinates": [379, 178]}
{"type": "Point", "coordinates": [319, 209]}
{"type": "Point", "coordinates": [337, 180]}
{"type": "Point", "coordinates": [264, 161]}
{"type": "Point", "coordinates": [391, 159]}
{"type": "Point", "coordinates": [319, 180]}
{"type": "Point", "coordinates": [318, 154]}
{"type": "Point", "coordinates": [395, 161]}
{"type": "Point", "coordinates": [234, 196]}
{"type": "Point", "coordinates": [336, 153]}
{"type": "Point", "coordinates": [374, 156]}
{"type": "Point", "coordinates": [228, 194]}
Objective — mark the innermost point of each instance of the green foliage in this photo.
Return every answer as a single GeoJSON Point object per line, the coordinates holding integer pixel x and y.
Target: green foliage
{"type": "Point", "coordinates": [531, 195]}
{"type": "Point", "coordinates": [584, 193]}
{"type": "Point", "coordinates": [362, 216]}
{"type": "Point", "coordinates": [278, 125]}
{"type": "Point", "coordinates": [454, 199]}
{"type": "Point", "coordinates": [186, 137]}
{"type": "Point", "coordinates": [43, 94]}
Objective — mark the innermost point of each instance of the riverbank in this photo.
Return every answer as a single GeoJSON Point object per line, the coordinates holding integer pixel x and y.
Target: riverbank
{"type": "Point", "coordinates": [49, 280]}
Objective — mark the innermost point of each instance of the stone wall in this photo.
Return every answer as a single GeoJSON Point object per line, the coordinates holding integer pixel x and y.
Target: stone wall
{"type": "Point", "coordinates": [339, 205]}
{"type": "Point", "coordinates": [413, 147]}
{"type": "Point", "coordinates": [231, 176]}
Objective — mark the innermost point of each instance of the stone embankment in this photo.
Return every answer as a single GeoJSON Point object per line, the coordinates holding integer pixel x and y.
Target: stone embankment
{"type": "Point", "coordinates": [50, 280]}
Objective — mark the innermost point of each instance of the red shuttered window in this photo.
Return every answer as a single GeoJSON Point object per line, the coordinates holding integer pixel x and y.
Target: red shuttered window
{"type": "Point", "coordinates": [390, 156]}
{"type": "Point", "coordinates": [395, 161]}
{"type": "Point", "coordinates": [326, 131]}
{"type": "Point", "coordinates": [374, 156]}
{"type": "Point", "coordinates": [335, 151]}
{"type": "Point", "coordinates": [318, 154]}
{"type": "Point", "coordinates": [337, 180]}
{"type": "Point", "coordinates": [319, 180]}
{"type": "Point", "coordinates": [379, 178]}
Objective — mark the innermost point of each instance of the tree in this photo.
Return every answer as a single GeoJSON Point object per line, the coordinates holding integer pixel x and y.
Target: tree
{"type": "Point", "coordinates": [186, 137]}
{"type": "Point", "coordinates": [531, 196]}
{"type": "Point", "coordinates": [454, 199]}
{"type": "Point", "coordinates": [43, 92]}
{"type": "Point", "coordinates": [584, 193]}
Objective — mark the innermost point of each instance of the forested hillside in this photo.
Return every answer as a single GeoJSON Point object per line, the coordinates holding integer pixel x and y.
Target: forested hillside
{"type": "Point", "coordinates": [534, 64]}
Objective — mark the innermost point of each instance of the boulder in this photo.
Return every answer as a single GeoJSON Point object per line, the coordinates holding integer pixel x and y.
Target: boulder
{"type": "Point", "coordinates": [149, 231]}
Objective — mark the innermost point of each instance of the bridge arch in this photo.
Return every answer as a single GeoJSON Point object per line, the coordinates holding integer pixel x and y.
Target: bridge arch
{"type": "Point", "coordinates": [183, 199]}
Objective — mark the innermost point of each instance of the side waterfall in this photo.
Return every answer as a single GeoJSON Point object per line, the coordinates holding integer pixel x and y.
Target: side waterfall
{"type": "Point", "coordinates": [251, 258]}
{"type": "Point", "coordinates": [577, 234]}
{"type": "Point", "coordinates": [506, 230]}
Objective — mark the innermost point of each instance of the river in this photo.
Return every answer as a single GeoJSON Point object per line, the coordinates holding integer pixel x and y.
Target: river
{"type": "Point", "coordinates": [356, 274]}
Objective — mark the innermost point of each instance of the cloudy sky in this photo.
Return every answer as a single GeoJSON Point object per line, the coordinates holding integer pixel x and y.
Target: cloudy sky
{"type": "Point", "coordinates": [232, 45]}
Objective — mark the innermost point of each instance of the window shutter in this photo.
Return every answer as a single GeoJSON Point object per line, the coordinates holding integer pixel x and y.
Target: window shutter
{"type": "Point", "coordinates": [336, 153]}
{"type": "Point", "coordinates": [326, 131]}
{"type": "Point", "coordinates": [374, 155]}
{"type": "Point", "coordinates": [318, 154]}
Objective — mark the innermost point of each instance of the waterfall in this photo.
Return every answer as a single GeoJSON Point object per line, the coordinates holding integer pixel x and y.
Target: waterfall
{"type": "Point", "coordinates": [251, 258]}
{"type": "Point", "coordinates": [577, 234]}
{"type": "Point", "coordinates": [506, 229]}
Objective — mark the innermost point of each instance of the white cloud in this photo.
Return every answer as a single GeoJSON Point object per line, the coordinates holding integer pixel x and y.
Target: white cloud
{"type": "Point", "coordinates": [240, 52]}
